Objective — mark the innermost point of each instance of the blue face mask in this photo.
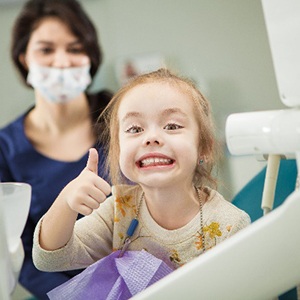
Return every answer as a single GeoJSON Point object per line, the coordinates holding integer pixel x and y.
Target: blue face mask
{"type": "Point", "coordinates": [59, 85]}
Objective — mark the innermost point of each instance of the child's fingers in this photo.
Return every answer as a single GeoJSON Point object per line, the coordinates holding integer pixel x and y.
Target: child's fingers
{"type": "Point", "coordinates": [103, 186]}
{"type": "Point", "coordinates": [84, 210]}
{"type": "Point", "coordinates": [92, 163]}
{"type": "Point", "coordinates": [97, 195]}
{"type": "Point", "coordinates": [84, 204]}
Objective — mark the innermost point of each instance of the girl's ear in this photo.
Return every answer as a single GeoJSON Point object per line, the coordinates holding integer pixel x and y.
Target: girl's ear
{"type": "Point", "coordinates": [202, 159]}
{"type": "Point", "coordinates": [22, 60]}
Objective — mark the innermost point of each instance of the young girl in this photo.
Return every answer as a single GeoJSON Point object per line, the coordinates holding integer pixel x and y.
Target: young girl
{"type": "Point", "coordinates": [161, 139]}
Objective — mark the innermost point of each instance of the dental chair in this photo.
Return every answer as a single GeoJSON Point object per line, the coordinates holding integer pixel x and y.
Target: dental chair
{"type": "Point", "coordinates": [14, 208]}
{"type": "Point", "coordinates": [249, 198]}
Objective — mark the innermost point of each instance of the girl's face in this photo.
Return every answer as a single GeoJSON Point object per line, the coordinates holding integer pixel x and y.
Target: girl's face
{"type": "Point", "coordinates": [52, 44]}
{"type": "Point", "coordinates": [158, 134]}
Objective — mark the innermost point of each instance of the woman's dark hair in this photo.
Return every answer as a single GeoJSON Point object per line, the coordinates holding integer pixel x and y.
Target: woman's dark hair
{"type": "Point", "coordinates": [97, 102]}
{"type": "Point", "coordinates": [69, 12]}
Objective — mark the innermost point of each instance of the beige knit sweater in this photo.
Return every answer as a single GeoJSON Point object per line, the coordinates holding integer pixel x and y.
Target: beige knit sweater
{"type": "Point", "coordinates": [102, 232]}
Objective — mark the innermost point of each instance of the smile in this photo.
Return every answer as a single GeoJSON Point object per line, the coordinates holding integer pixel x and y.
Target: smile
{"type": "Point", "coordinates": [155, 161]}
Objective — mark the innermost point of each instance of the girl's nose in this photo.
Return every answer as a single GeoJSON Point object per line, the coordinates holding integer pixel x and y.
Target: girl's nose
{"type": "Point", "coordinates": [152, 138]}
{"type": "Point", "coordinates": [152, 141]}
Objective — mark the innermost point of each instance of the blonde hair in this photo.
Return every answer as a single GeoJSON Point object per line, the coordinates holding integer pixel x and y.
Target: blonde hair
{"type": "Point", "coordinates": [109, 135]}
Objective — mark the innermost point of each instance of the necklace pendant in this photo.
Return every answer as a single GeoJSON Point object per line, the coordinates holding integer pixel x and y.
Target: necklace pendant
{"type": "Point", "coordinates": [132, 227]}
{"type": "Point", "coordinates": [130, 231]}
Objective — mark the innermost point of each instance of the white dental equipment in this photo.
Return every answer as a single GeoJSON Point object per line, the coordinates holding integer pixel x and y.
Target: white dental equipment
{"type": "Point", "coordinates": [14, 207]}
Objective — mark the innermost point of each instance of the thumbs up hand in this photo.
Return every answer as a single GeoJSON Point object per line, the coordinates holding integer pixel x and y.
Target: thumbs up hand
{"type": "Point", "coordinates": [92, 163]}
{"type": "Point", "coordinates": [88, 190]}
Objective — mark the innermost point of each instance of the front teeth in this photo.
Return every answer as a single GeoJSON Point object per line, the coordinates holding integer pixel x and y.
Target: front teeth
{"type": "Point", "coordinates": [155, 161]}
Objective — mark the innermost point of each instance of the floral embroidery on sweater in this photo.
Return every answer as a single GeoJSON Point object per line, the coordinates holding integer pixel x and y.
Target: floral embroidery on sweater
{"type": "Point", "coordinates": [124, 203]}
{"type": "Point", "coordinates": [198, 242]}
{"type": "Point", "coordinates": [174, 257]}
{"type": "Point", "coordinates": [213, 230]}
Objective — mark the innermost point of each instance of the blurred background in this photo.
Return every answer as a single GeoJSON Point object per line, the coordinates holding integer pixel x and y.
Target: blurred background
{"type": "Point", "coordinates": [222, 45]}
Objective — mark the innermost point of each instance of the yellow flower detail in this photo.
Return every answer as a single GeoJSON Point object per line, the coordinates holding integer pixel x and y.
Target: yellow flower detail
{"type": "Point", "coordinates": [121, 235]}
{"type": "Point", "coordinates": [213, 230]}
{"type": "Point", "coordinates": [174, 257]}
{"type": "Point", "coordinates": [124, 202]}
{"type": "Point", "coordinates": [198, 242]}
{"type": "Point", "coordinates": [228, 227]}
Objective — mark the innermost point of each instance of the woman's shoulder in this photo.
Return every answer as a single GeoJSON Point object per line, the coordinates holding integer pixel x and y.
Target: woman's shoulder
{"type": "Point", "coordinates": [13, 127]}
{"type": "Point", "coordinates": [12, 135]}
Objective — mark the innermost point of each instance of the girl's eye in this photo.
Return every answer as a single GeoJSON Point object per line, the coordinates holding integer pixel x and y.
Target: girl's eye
{"type": "Point", "coordinates": [173, 126]}
{"type": "Point", "coordinates": [134, 129]}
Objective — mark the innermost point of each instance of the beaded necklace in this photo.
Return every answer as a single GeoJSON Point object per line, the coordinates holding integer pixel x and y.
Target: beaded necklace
{"type": "Point", "coordinates": [135, 222]}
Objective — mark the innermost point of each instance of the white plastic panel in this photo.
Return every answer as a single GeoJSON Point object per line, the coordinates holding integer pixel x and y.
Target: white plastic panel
{"type": "Point", "coordinates": [259, 262]}
{"type": "Point", "coordinates": [282, 18]}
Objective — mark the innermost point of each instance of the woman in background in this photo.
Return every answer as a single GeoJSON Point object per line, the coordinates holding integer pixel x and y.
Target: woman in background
{"type": "Point", "coordinates": [55, 48]}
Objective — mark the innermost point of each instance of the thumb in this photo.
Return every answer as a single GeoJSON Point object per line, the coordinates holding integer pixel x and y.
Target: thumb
{"type": "Point", "coordinates": [92, 163]}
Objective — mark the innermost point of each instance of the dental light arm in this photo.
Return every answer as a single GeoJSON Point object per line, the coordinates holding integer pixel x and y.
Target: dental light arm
{"type": "Point", "coordinates": [270, 183]}
{"type": "Point", "coordinates": [275, 133]}
{"type": "Point", "coordinates": [264, 132]}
